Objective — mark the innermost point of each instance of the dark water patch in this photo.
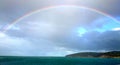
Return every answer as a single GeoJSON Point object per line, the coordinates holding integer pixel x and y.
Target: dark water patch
{"type": "Point", "coordinates": [57, 61]}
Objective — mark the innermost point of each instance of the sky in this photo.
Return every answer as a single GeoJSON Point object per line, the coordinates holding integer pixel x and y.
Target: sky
{"type": "Point", "coordinates": [58, 27]}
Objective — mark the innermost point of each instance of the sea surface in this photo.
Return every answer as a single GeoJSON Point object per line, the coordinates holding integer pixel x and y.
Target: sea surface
{"type": "Point", "coordinates": [6, 60]}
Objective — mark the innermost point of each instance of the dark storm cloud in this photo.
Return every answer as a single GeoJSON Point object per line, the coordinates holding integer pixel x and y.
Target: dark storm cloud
{"type": "Point", "coordinates": [96, 41]}
{"type": "Point", "coordinates": [92, 41]}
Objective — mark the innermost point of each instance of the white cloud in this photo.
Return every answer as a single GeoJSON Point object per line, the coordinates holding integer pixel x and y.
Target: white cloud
{"type": "Point", "coordinates": [13, 45]}
{"type": "Point", "coordinates": [116, 29]}
{"type": "Point", "coordinates": [16, 46]}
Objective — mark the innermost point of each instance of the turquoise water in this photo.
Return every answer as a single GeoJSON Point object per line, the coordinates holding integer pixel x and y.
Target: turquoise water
{"type": "Point", "coordinates": [57, 61]}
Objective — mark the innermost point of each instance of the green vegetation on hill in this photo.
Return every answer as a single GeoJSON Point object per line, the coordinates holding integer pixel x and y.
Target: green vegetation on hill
{"type": "Point", "coordinates": [112, 54]}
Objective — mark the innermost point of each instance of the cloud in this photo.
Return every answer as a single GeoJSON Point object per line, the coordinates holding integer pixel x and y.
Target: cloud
{"type": "Point", "coordinates": [92, 41]}
{"type": "Point", "coordinates": [55, 23]}
{"type": "Point", "coordinates": [52, 32]}
{"type": "Point", "coordinates": [13, 46]}
{"type": "Point", "coordinates": [17, 46]}
{"type": "Point", "coordinates": [116, 29]}
{"type": "Point", "coordinates": [96, 41]}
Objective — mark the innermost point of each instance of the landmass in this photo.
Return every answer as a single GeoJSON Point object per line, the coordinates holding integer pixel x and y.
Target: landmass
{"type": "Point", "coordinates": [111, 54]}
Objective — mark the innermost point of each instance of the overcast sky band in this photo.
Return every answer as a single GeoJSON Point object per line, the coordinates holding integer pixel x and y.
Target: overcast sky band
{"type": "Point", "coordinates": [5, 28]}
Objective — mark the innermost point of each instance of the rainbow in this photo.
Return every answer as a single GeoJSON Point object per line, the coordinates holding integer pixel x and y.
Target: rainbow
{"type": "Point", "coordinates": [5, 28]}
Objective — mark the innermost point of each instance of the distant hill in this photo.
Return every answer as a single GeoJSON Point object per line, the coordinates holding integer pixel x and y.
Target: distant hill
{"type": "Point", "coordinates": [111, 54]}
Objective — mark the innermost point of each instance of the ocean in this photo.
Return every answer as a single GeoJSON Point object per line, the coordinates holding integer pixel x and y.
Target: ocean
{"type": "Point", "coordinates": [57, 61]}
